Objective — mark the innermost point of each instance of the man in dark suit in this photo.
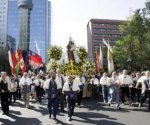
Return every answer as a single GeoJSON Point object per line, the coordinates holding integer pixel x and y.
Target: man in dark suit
{"type": "Point", "coordinates": [52, 96]}
{"type": "Point", "coordinates": [4, 92]}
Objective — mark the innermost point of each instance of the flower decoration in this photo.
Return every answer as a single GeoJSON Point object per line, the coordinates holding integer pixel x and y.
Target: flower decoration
{"type": "Point", "coordinates": [54, 52]}
{"type": "Point", "coordinates": [51, 65]}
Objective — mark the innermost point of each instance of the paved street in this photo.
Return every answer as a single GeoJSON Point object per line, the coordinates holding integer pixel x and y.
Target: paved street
{"type": "Point", "coordinates": [92, 112]}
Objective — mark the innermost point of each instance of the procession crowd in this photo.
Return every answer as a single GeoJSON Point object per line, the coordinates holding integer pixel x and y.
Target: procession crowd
{"type": "Point", "coordinates": [68, 91]}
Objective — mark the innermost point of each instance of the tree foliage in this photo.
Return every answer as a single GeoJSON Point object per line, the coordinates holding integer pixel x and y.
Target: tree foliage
{"type": "Point", "coordinates": [82, 52]}
{"type": "Point", "coordinates": [132, 50]}
{"type": "Point", "coordinates": [54, 52]}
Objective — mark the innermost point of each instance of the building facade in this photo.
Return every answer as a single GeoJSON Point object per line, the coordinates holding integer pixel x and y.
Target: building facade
{"type": "Point", "coordinates": [3, 22]}
{"type": "Point", "coordinates": [40, 25]}
{"type": "Point", "coordinates": [97, 29]}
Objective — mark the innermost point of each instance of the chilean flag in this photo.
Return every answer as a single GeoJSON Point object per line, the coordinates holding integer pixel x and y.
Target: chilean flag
{"type": "Point", "coordinates": [35, 60]}
{"type": "Point", "coordinates": [12, 59]}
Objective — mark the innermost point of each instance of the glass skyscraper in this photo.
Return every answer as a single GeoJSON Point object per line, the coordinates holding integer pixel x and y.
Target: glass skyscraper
{"type": "Point", "coordinates": [3, 22]}
{"type": "Point", "coordinates": [40, 25]}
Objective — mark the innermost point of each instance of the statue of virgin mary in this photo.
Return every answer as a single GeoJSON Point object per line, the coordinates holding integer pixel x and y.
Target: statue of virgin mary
{"type": "Point", "coordinates": [70, 53]}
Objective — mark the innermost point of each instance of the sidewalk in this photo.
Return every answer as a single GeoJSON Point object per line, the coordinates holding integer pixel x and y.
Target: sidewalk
{"type": "Point", "coordinates": [92, 112]}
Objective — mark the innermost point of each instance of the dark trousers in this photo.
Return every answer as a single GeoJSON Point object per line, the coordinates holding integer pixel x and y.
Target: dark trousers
{"type": "Point", "coordinates": [5, 102]}
{"type": "Point", "coordinates": [125, 92]}
{"type": "Point", "coordinates": [38, 90]}
{"type": "Point", "coordinates": [61, 99]}
{"type": "Point", "coordinates": [18, 93]}
{"type": "Point", "coordinates": [53, 106]}
{"type": "Point", "coordinates": [79, 97]}
{"type": "Point", "coordinates": [138, 93]}
{"type": "Point", "coordinates": [132, 93]}
{"type": "Point", "coordinates": [144, 97]}
{"type": "Point", "coordinates": [94, 90]}
{"type": "Point", "coordinates": [70, 106]}
{"type": "Point", "coordinates": [12, 94]}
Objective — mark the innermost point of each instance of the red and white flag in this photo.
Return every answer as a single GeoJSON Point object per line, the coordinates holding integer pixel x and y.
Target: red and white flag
{"type": "Point", "coordinates": [12, 59]}
{"type": "Point", "coordinates": [35, 60]}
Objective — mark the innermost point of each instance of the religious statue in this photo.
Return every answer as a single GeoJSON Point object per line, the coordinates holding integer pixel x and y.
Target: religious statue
{"type": "Point", "coordinates": [71, 53]}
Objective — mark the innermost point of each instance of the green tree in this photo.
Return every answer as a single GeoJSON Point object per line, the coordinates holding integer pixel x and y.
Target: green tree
{"type": "Point", "coordinates": [132, 50]}
{"type": "Point", "coordinates": [54, 52]}
{"type": "Point", "coordinates": [82, 52]}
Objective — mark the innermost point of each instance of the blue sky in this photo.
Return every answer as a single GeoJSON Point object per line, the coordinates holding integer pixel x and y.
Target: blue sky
{"type": "Point", "coordinates": [70, 17]}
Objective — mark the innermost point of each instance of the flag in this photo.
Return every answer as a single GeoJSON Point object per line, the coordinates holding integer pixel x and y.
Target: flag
{"type": "Point", "coordinates": [108, 46]}
{"type": "Point", "coordinates": [12, 59]}
{"type": "Point", "coordinates": [35, 60]}
{"type": "Point", "coordinates": [97, 62]}
{"type": "Point", "coordinates": [37, 48]}
{"type": "Point", "coordinates": [101, 59]}
{"type": "Point", "coordinates": [109, 57]}
{"type": "Point", "coordinates": [110, 61]}
{"type": "Point", "coordinates": [20, 61]}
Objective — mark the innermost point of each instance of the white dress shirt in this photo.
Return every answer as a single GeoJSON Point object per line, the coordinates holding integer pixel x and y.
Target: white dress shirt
{"type": "Point", "coordinates": [59, 81]}
{"type": "Point", "coordinates": [94, 81]}
{"type": "Point", "coordinates": [125, 79]}
{"type": "Point", "coordinates": [25, 81]}
{"type": "Point", "coordinates": [75, 87]}
{"type": "Point", "coordinates": [37, 81]}
{"type": "Point", "coordinates": [105, 81]}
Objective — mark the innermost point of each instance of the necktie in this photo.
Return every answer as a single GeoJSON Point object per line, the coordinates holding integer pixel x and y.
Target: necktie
{"type": "Point", "coordinates": [147, 81]}
{"type": "Point", "coordinates": [148, 84]}
{"type": "Point", "coordinates": [70, 86]}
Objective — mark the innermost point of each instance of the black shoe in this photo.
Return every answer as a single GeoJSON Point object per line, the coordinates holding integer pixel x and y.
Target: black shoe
{"type": "Point", "coordinates": [50, 116]}
{"type": "Point", "coordinates": [7, 113]}
{"type": "Point", "coordinates": [55, 121]}
{"type": "Point", "coordinates": [70, 119]}
{"type": "Point", "coordinates": [62, 110]}
{"type": "Point", "coordinates": [109, 104]}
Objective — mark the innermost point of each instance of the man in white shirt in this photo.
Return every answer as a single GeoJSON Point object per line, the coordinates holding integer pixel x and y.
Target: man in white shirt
{"type": "Point", "coordinates": [24, 83]}
{"type": "Point", "coordinates": [80, 80]}
{"type": "Point", "coordinates": [60, 80]}
{"type": "Point", "coordinates": [13, 90]}
{"type": "Point", "coordinates": [145, 93]}
{"type": "Point", "coordinates": [38, 87]}
{"type": "Point", "coordinates": [125, 82]}
{"type": "Point", "coordinates": [94, 84]}
{"type": "Point", "coordinates": [70, 89]}
{"type": "Point", "coordinates": [105, 82]}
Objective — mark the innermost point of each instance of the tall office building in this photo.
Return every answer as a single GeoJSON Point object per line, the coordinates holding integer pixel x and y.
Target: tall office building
{"type": "Point", "coordinates": [97, 29]}
{"type": "Point", "coordinates": [40, 24]}
{"type": "Point", "coordinates": [3, 22]}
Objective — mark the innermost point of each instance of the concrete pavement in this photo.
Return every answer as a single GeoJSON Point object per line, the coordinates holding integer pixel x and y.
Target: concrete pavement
{"type": "Point", "coordinates": [92, 112]}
